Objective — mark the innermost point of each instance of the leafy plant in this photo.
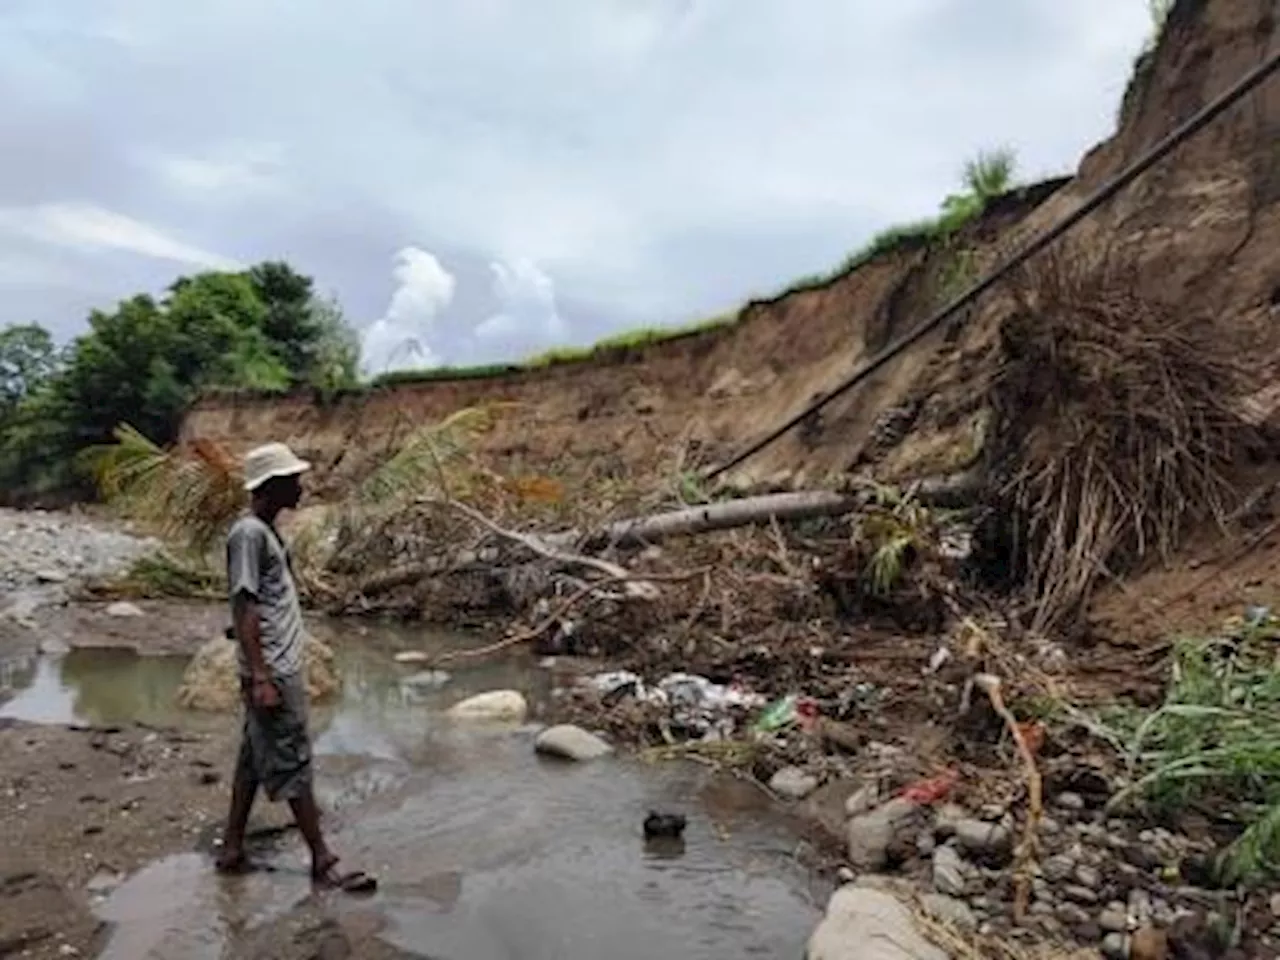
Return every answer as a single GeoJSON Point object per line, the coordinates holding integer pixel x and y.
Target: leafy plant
{"type": "Point", "coordinates": [1215, 739]}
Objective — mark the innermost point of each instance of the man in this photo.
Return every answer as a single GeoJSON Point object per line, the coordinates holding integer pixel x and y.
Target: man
{"type": "Point", "coordinates": [266, 616]}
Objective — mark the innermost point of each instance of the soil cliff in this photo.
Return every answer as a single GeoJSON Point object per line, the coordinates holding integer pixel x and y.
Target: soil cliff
{"type": "Point", "coordinates": [1201, 229]}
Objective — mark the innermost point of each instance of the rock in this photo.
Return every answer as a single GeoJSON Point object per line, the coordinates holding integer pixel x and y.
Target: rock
{"type": "Point", "coordinates": [1069, 801]}
{"type": "Point", "coordinates": [866, 924]}
{"type": "Point", "coordinates": [570, 743]}
{"type": "Point", "coordinates": [862, 800]}
{"type": "Point", "coordinates": [51, 576]}
{"type": "Point", "coordinates": [1149, 944]}
{"type": "Point", "coordinates": [1072, 915]}
{"type": "Point", "coordinates": [871, 834]}
{"type": "Point", "coordinates": [947, 818]}
{"type": "Point", "coordinates": [1088, 876]}
{"type": "Point", "coordinates": [982, 838]}
{"type": "Point", "coordinates": [1058, 868]}
{"type": "Point", "coordinates": [426, 679]}
{"type": "Point", "coordinates": [212, 679]}
{"type": "Point", "coordinates": [1115, 946]}
{"type": "Point", "coordinates": [123, 608]}
{"type": "Point", "coordinates": [948, 872]}
{"type": "Point", "coordinates": [793, 783]}
{"type": "Point", "coordinates": [1079, 894]}
{"type": "Point", "coordinates": [1114, 919]}
{"type": "Point", "coordinates": [494, 705]}
{"type": "Point", "coordinates": [1275, 905]}
{"type": "Point", "coordinates": [411, 656]}
{"type": "Point", "coordinates": [925, 843]}
{"type": "Point", "coordinates": [950, 911]}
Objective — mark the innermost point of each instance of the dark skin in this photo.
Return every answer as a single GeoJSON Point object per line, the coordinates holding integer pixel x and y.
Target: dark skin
{"type": "Point", "coordinates": [274, 496]}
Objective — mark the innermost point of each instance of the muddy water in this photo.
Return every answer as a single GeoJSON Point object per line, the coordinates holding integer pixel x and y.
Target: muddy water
{"type": "Point", "coordinates": [484, 851]}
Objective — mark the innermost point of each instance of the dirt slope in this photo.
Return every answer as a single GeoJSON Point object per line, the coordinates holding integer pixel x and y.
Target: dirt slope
{"type": "Point", "coordinates": [1203, 227]}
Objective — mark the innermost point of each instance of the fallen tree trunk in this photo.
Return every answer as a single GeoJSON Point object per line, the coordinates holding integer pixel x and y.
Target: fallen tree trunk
{"type": "Point", "coordinates": [643, 531]}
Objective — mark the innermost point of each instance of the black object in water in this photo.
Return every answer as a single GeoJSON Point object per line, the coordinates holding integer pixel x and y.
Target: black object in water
{"type": "Point", "coordinates": [664, 824]}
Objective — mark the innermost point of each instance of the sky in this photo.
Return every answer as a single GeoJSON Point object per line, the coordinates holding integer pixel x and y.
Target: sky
{"type": "Point", "coordinates": [480, 180]}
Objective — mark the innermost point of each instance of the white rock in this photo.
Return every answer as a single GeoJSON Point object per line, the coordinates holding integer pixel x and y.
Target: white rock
{"type": "Point", "coordinates": [411, 656]}
{"type": "Point", "coordinates": [570, 743]}
{"type": "Point", "coordinates": [793, 783]}
{"type": "Point", "coordinates": [494, 705]}
{"type": "Point", "coordinates": [866, 924]}
{"type": "Point", "coordinates": [871, 834]}
{"type": "Point", "coordinates": [948, 871]}
{"type": "Point", "coordinates": [124, 608]}
{"type": "Point", "coordinates": [426, 679]}
{"type": "Point", "coordinates": [863, 799]}
{"type": "Point", "coordinates": [949, 910]}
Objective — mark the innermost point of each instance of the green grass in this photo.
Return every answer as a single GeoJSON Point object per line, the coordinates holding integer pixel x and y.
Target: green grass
{"type": "Point", "coordinates": [1214, 744]}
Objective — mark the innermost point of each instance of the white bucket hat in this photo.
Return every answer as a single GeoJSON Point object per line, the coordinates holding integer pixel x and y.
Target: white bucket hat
{"type": "Point", "coordinates": [268, 461]}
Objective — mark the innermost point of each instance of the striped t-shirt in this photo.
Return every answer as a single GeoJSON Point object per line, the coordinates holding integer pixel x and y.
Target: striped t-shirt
{"type": "Point", "coordinates": [258, 564]}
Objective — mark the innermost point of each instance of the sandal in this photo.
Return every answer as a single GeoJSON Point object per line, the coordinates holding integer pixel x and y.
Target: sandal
{"type": "Point", "coordinates": [354, 881]}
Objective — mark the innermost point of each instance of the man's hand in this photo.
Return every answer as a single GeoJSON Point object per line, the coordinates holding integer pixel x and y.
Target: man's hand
{"type": "Point", "coordinates": [263, 693]}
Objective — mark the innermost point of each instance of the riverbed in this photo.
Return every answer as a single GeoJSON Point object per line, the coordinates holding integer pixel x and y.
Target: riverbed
{"type": "Point", "coordinates": [484, 850]}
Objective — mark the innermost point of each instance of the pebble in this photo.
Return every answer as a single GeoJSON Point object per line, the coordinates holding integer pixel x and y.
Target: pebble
{"type": "Point", "coordinates": [1115, 946]}
{"type": "Point", "coordinates": [1088, 876]}
{"type": "Point", "coordinates": [862, 800]}
{"type": "Point", "coordinates": [926, 844]}
{"type": "Point", "coordinates": [978, 836]}
{"type": "Point", "coordinates": [1114, 919]}
{"type": "Point", "coordinates": [1080, 894]}
{"type": "Point", "coordinates": [1072, 915]}
{"type": "Point", "coordinates": [871, 835]}
{"type": "Point", "coordinates": [1058, 868]}
{"type": "Point", "coordinates": [1141, 906]}
{"type": "Point", "coordinates": [949, 910]}
{"type": "Point", "coordinates": [793, 783]}
{"type": "Point", "coordinates": [1070, 801]}
{"type": "Point", "coordinates": [123, 608]}
{"type": "Point", "coordinates": [948, 871]}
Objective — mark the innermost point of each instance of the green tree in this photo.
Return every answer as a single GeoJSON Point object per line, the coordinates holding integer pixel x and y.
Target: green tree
{"type": "Point", "coordinates": [27, 359]}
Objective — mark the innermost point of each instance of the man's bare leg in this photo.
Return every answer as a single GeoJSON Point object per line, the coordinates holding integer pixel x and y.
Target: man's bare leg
{"type": "Point", "coordinates": [243, 791]}
{"type": "Point", "coordinates": [307, 814]}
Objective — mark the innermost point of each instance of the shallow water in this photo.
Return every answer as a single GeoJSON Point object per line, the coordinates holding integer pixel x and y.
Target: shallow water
{"type": "Point", "coordinates": [484, 850]}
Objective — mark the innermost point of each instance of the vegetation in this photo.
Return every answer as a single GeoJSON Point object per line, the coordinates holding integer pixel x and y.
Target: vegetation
{"type": "Point", "coordinates": [144, 362]}
{"type": "Point", "coordinates": [984, 178]}
{"type": "Point", "coordinates": [1215, 743]}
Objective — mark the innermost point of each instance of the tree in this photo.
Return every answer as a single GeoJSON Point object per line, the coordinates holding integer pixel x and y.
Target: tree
{"type": "Point", "coordinates": [27, 360]}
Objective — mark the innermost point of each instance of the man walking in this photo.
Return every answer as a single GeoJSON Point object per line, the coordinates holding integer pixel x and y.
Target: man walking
{"type": "Point", "coordinates": [266, 616]}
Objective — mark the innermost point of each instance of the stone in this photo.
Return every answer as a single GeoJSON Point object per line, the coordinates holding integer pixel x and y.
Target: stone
{"type": "Point", "coordinates": [870, 835]}
{"type": "Point", "coordinates": [862, 923]}
{"type": "Point", "coordinates": [1079, 894]}
{"type": "Point", "coordinates": [1115, 946]}
{"type": "Point", "coordinates": [426, 679]}
{"type": "Point", "coordinates": [947, 818]}
{"type": "Point", "coordinates": [1088, 876]}
{"type": "Point", "coordinates": [925, 843]}
{"type": "Point", "coordinates": [51, 576]}
{"type": "Point", "coordinates": [1069, 801]}
{"type": "Point", "coordinates": [211, 681]}
{"type": "Point", "coordinates": [1114, 919]}
{"type": "Point", "coordinates": [123, 608]}
{"type": "Point", "coordinates": [496, 705]}
{"type": "Point", "coordinates": [949, 910]}
{"type": "Point", "coordinates": [1275, 905]}
{"type": "Point", "coordinates": [1149, 944]}
{"type": "Point", "coordinates": [571, 743]}
{"type": "Point", "coordinates": [1072, 915]}
{"type": "Point", "coordinates": [1058, 868]}
{"type": "Point", "coordinates": [948, 871]}
{"type": "Point", "coordinates": [793, 783]}
{"type": "Point", "coordinates": [411, 656]}
{"type": "Point", "coordinates": [862, 800]}
{"type": "Point", "coordinates": [980, 837]}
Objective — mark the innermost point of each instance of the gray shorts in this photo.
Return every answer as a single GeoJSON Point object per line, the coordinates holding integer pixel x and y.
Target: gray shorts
{"type": "Point", "coordinates": [275, 749]}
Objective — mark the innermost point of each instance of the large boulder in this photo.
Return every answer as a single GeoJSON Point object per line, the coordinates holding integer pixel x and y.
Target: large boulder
{"type": "Point", "coordinates": [863, 923]}
{"type": "Point", "coordinates": [212, 679]}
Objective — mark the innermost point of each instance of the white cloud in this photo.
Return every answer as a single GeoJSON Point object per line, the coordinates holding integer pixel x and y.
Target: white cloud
{"type": "Point", "coordinates": [87, 227]}
{"type": "Point", "coordinates": [527, 320]}
{"type": "Point", "coordinates": [233, 168]}
{"type": "Point", "coordinates": [402, 337]}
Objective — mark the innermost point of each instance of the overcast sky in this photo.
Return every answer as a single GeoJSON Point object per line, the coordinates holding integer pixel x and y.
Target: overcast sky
{"type": "Point", "coordinates": [481, 179]}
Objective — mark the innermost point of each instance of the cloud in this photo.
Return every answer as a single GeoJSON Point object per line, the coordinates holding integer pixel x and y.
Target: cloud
{"type": "Point", "coordinates": [87, 227]}
{"type": "Point", "coordinates": [233, 168]}
{"type": "Point", "coordinates": [402, 337]}
{"type": "Point", "coordinates": [634, 150]}
{"type": "Point", "coordinates": [527, 321]}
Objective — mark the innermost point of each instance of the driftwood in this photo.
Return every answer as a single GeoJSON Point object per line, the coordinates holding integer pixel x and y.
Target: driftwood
{"type": "Point", "coordinates": [636, 532]}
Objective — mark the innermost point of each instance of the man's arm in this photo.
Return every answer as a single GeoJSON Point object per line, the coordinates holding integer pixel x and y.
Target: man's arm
{"type": "Point", "coordinates": [244, 569]}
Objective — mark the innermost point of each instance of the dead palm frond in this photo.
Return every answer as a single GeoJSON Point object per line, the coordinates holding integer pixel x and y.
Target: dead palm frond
{"type": "Point", "coordinates": [189, 494]}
